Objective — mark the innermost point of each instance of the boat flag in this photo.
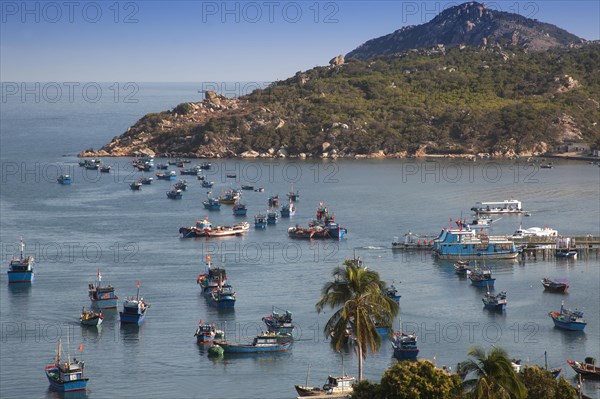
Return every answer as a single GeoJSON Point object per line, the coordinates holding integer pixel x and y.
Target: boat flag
{"type": "Point", "coordinates": [139, 284]}
{"type": "Point", "coordinates": [99, 275]}
{"type": "Point", "coordinates": [80, 348]}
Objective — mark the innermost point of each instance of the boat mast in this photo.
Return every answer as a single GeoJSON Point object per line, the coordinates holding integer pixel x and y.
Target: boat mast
{"type": "Point", "coordinates": [58, 350]}
{"type": "Point", "coordinates": [22, 247]}
{"type": "Point", "coordinates": [138, 291]}
{"type": "Point", "coordinates": [307, 373]}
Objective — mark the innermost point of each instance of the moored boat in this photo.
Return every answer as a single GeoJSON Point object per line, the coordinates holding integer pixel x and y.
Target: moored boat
{"type": "Point", "coordinates": [461, 267]}
{"type": "Point", "coordinates": [466, 244]}
{"type": "Point", "coordinates": [535, 232]}
{"type": "Point", "coordinates": [102, 297]}
{"type": "Point", "coordinates": [211, 203]}
{"type": "Point", "coordinates": [222, 297]}
{"type": "Point", "coordinates": [172, 175]}
{"type": "Point", "coordinates": [392, 292]}
{"type": "Point", "coordinates": [280, 323]}
{"type": "Point", "coordinates": [207, 184]}
{"type": "Point", "coordinates": [224, 231]}
{"type": "Point", "coordinates": [162, 166]}
{"type": "Point", "coordinates": [412, 241]}
{"type": "Point", "coordinates": [190, 172]}
{"type": "Point", "coordinates": [567, 319]}
{"type": "Point", "coordinates": [494, 302]}
{"type": "Point", "coordinates": [213, 278]}
{"type": "Point", "coordinates": [20, 270]}
{"type": "Point", "coordinates": [288, 210]}
{"type": "Point", "coordinates": [265, 342]}
{"type": "Point", "coordinates": [274, 201]}
{"type": "Point", "coordinates": [405, 346]}
{"type": "Point", "coordinates": [260, 221]}
{"type": "Point", "coordinates": [587, 368]}
{"type": "Point", "coordinates": [105, 169]}
{"type": "Point", "coordinates": [565, 248]}
{"type": "Point", "coordinates": [239, 209]}
{"type": "Point", "coordinates": [230, 197]}
{"type": "Point", "coordinates": [175, 194]}
{"type": "Point", "coordinates": [90, 318]}
{"type": "Point", "coordinates": [136, 185]}
{"type": "Point", "coordinates": [334, 387]}
{"type": "Point", "coordinates": [247, 187]}
{"type": "Point", "coordinates": [294, 196]}
{"type": "Point", "coordinates": [558, 285]}
{"type": "Point", "coordinates": [65, 375]}
{"type": "Point", "coordinates": [481, 278]}
{"type": "Point", "coordinates": [134, 309]}
{"type": "Point", "coordinates": [146, 180]}
{"type": "Point", "coordinates": [181, 185]}
{"type": "Point", "coordinates": [511, 206]}
{"type": "Point", "coordinates": [64, 179]}
{"type": "Point", "coordinates": [207, 332]}
{"type": "Point", "coordinates": [272, 216]}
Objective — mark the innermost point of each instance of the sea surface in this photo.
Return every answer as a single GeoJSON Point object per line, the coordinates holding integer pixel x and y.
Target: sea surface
{"type": "Point", "coordinates": [98, 223]}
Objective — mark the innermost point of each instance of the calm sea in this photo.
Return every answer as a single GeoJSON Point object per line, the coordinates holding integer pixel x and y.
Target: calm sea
{"type": "Point", "coordinates": [99, 223]}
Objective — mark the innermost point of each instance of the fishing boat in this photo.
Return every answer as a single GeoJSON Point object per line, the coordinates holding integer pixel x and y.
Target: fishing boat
{"type": "Point", "coordinates": [392, 292]}
{"type": "Point", "coordinates": [172, 175]}
{"type": "Point", "coordinates": [211, 203]}
{"type": "Point", "coordinates": [64, 179]}
{"type": "Point", "coordinates": [136, 185]}
{"type": "Point", "coordinates": [20, 270]}
{"type": "Point", "coordinates": [555, 371]}
{"type": "Point", "coordinates": [494, 302]}
{"type": "Point", "coordinates": [265, 342]}
{"type": "Point", "coordinates": [181, 185]}
{"type": "Point", "coordinates": [90, 318]}
{"type": "Point", "coordinates": [65, 375]}
{"type": "Point", "coordinates": [567, 319]}
{"type": "Point", "coordinates": [222, 297]}
{"type": "Point", "coordinates": [478, 223]}
{"type": "Point", "coordinates": [288, 210]}
{"type": "Point", "coordinates": [405, 346]}
{"type": "Point", "coordinates": [259, 190]}
{"type": "Point", "coordinates": [175, 194]}
{"type": "Point", "coordinates": [272, 216]}
{"type": "Point", "coordinates": [105, 169]}
{"type": "Point", "coordinates": [334, 387]}
{"type": "Point", "coordinates": [207, 332]}
{"type": "Point", "coordinates": [190, 172]}
{"type": "Point", "coordinates": [274, 201]}
{"type": "Point", "coordinates": [92, 165]}
{"type": "Point", "coordinates": [323, 227]}
{"type": "Point", "coordinates": [294, 196]}
{"type": "Point", "coordinates": [213, 278]}
{"type": "Point", "coordinates": [412, 241]}
{"type": "Point", "coordinates": [224, 231]}
{"type": "Point", "coordinates": [200, 177]}
{"type": "Point", "coordinates": [146, 180]}
{"type": "Point", "coordinates": [587, 368]}
{"type": "Point", "coordinates": [481, 278]}
{"type": "Point", "coordinates": [548, 165]}
{"type": "Point", "coordinates": [102, 297]}
{"type": "Point", "coordinates": [162, 166]}
{"type": "Point", "coordinates": [260, 221]}
{"type": "Point", "coordinates": [231, 175]}
{"type": "Point", "coordinates": [207, 184]}
{"type": "Point", "coordinates": [558, 285]}
{"type": "Point", "coordinates": [280, 323]}
{"type": "Point", "coordinates": [461, 267]}
{"type": "Point", "coordinates": [383, 331]}
{"type": "Point", "coordinates": [205, 165]}
{"type": "Point", "coordinates": [511, 206]}
{"type": "Point", "coordinates": [462, 243]}
{"type": "Point", "coordinates": [239, 209]}
{"type": "Point", "coordinates": [247, 187]}
{"type": "Point", "coordinates": [134, 309]}
{"type": "Point", "coordinates": [230, 197]}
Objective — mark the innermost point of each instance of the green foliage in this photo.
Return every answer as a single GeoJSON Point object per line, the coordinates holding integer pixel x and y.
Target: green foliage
{"type": "Point", "coordinates": [541, 384]}
{"type": "Point", "coordinates": [183, 109]}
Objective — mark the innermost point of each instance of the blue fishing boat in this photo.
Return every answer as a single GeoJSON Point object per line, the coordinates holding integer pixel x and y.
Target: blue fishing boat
{"type": "Point", "coordinates": [181, 185]}
{"type": "Point", "coordinates": [288, 210]}
{"type": "Point", "coordinates": [260, 221]}
{"type": "Point", "coordinates": [272, 216]}
{"type": "Point", "coordinates": [392, 292]}
{"type": "Point", "coordinates": [102, 297]}
{"type": "Point", "coordinates": [239, 209]}
{"type": "Point", "coordinates": [383, 331]}
{"type": "Point", "coordinates": [175, 194]}
{"type": "Point", "coordinates": [167, 176]}
{"type": "Point", "coordinates": [222, 297]}
{"type": "Point", "coordinates": [266, 342]}
{"type": "Point", "coordinates": [495, 302]}
{"type": "Point", "coordinates": [213, 278]}
{"type": "Point", "coordinates": [66, 375]}
{"type": "Point", "coordinates": [280, 323]}
{"type": "Point", "coordinates": [212, 204]}
{"type": "Point", "coordinates": [405, 346]}
{"type": "Point", "coordinates": [134, 309]}
{"type": "Point", "coordinates": [64, 179]}
{"type": "Point", "coordinates": [481, 278]}
{"type": "Point", "coordinates": [136, 185]}
{"type": "Point", "coordinates": [207, 184]}
{"type": "Point", "coordinates": [20, 270]}
{"type": "Point", "coordinates": [466, 244]}
{"type": "Point", "coordinates": [567, 319]}
{"type": "Point", "coordinates": [207, 332]}
{"type": "Point", "coordinates": [294, 196]}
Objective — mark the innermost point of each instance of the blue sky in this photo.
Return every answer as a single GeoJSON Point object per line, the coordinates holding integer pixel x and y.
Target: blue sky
{"type": "Point", "coordinates": [196, 41]}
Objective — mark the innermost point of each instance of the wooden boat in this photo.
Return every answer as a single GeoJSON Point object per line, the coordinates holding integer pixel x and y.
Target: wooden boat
{"type": "Point", "coordinates": [181, 185]}
{"type": "Point", "coordinates": [230, 197]}
{"type": "Point", "coordinates": [405, 346]}
{"type": "Point", "coordinates": [205, 165]}
{"type": "Point", "coordinates": [162, 166]}
{"type": "Point", "coordinates": [136, 186]}
{"type": "Point", "coordinates": [105, 169]}
{"type": "Point", "coordinates": [481, 278]}
{"type": "Point", "coordinates": [274, 201]}
{"type": "Point", "coordinates": [90, 318]}
{"type": "Point", "coordinates": [190, 172]}
{"type": "Point", "coordinates": [461, 267]}
{"type": "Point", "coordinates": [102, 297]}
{"type": "Point", "coordinates": [247, 187]}
{"type": "Point", "coordinates": [293, 196]}
{"type": "Point", "coordinates": [222, 297]}
{"type": "Point", "coordinates": [495, 302]}
{"type": "Point", "coordinates": [280, 323]}
{"type": "Point", "coordinates": [558, 285]}
{"type": "Point", "coordinates": [200, 177]}
{"type": "Point", "coordinates": [20, 270]}
{"type": "Point", "coordinates": [231, 175]}
{"type": "Point", "coordinates": [288, 210]}
{"type": "Point", "coordinates": [146, 180]}
{"type": "Point", "coordinates": [223, 231]}
{"type": "Point", "coordinates": [260, 221]}
{"type": "Point", "coordinates": [213, 278]}
{"type": "Point", "coordinates": [259, 190]}
{"type": "Point", "coordinates": [172, 175]}
{"type": "Point", "coordinates": [207, 332]}
{"type": "Point", "coordinates": [175, 194]}
{"type": "Point", "coordinates": [334, 387]}
{"type": "Point", "coordinates": [239, 209]}
{"type": "Point", "coordinates": [272, 216]}
{"type": "Point", "coordinates": [65, 375]}
{"type": "Point", "coordinates": [392, 293]}
{"type": "Point", "coordinates": [586, 368]}
{"type": "Point", "coordinates": [134, 309]}
{"type": "Point", "coordinates": [207, 184]}
{"type": "Point", "coordinates": [64, 179]}
{"type": "Point", "coordinates": [566, 319]}
{"type": "Point", "coordinates": [211, 203]}
{"type": "Point", "coordinates": [262, 343]}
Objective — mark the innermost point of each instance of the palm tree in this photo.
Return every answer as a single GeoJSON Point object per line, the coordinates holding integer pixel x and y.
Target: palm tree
{"type": "Point", "coordinates": [359, 294]}
{"type": "Point", "coordinates": [495, 377]}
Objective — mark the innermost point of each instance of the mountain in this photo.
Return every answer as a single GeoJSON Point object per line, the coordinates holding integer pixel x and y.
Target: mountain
{"type": "Point", "coordinates": [469, 24]}
{"type": "Point", "coordinates": [456, 101]}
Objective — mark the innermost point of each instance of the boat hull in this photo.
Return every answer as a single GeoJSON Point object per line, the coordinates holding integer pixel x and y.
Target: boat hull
{"type": "Point", "coordinates": [586, 370]}
{"type": "Point", "coordinates": [240, 212]}
{"type": "Point", "coordinates": [108, 303]}
{"type": "Point", "coordinates": [92, 322]}
{"type": "Point", "coordinates": [480, 255]}
{"type": "Point", "coordinates": [242, 349]}
{"type": "Point", "coordinates": [482, 283]}
{"type": "Point", "coordinates": [223, 304]}
{"type": "Point", "coordinates": [406, 354]}
{"type": "Point", "coordinates": [496, 307]}
{"type": "Point", "coordinates": [20, 277]}
{"type": "Point", "coordinates": [128, 318]}
{"type": "Point", "coordinates": [569, 326]}
{"type": "Point", "coordinates": [65, 386]}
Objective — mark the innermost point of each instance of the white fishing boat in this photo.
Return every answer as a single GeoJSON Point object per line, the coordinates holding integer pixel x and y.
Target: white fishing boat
{"type": "Point", "coordinates": [498, 207]}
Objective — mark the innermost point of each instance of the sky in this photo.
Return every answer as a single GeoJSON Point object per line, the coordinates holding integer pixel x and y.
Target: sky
{"type": "Point", "coordinates": [197, 41]}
